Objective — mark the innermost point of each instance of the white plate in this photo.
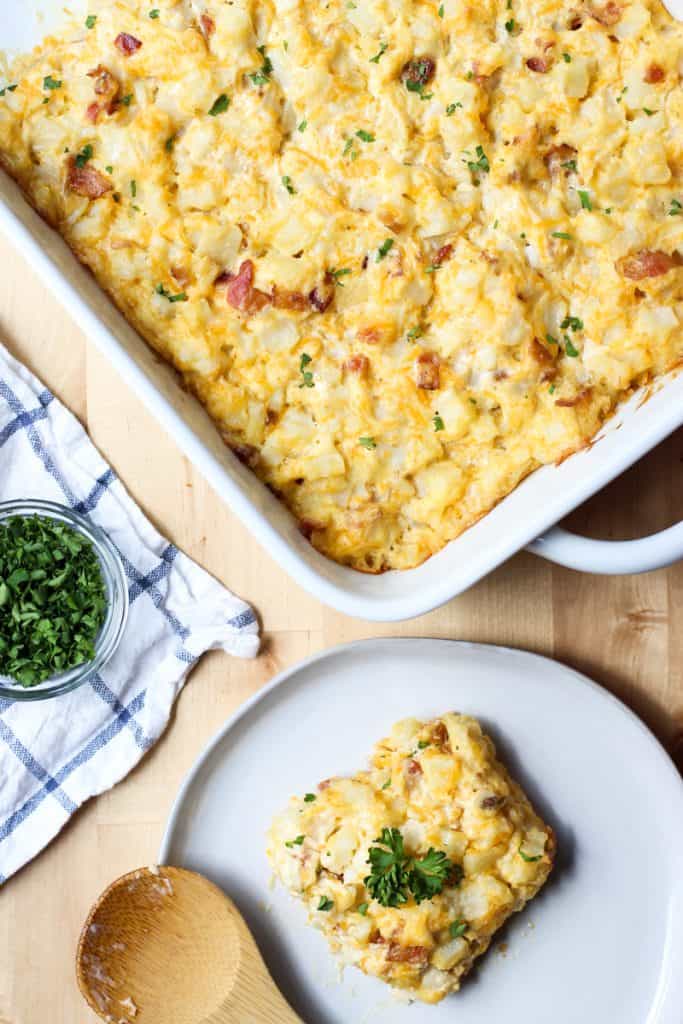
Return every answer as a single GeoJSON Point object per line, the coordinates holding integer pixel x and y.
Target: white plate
{"type": "Point", "coordinates": [602, 944]}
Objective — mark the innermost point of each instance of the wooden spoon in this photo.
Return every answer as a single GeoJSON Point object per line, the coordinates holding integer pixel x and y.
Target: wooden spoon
{"type": "Point", "coordinates": [166, 946]}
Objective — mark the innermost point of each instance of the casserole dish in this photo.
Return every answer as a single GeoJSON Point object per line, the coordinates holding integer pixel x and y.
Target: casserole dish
{"type": "Point", "coordinates": [391, 596]}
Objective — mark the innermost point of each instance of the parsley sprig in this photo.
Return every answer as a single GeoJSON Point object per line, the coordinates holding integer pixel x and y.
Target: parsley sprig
{"type": "Point", "coordinates": [52, 599]}
{"type": "Point", "coordinates": [262, 76]}
{"type": "Point", "coordinates": [395, 877]}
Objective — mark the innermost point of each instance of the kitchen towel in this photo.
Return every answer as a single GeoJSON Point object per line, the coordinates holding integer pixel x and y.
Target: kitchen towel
{"type": "Point", "coordinates": [55, 754]}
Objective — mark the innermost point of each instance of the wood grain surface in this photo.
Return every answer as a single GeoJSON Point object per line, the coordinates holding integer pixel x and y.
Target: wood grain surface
{"type": "Point", "coordinates": [626, 633]}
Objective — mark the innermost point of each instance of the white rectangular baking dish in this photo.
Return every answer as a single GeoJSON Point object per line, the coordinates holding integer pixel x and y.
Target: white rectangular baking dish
{"type": "Point", "coordinates": [542, 500]}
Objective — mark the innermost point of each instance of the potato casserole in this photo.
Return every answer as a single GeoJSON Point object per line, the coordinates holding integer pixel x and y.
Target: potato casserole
{"type": "Point", "coordinates": [409, 868]}
{"type": "Point", "coordinates": [404, 253]}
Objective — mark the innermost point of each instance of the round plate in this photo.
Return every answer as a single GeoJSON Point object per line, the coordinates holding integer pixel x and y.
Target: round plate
{"type": "Point", "coordinates": [604, 939]}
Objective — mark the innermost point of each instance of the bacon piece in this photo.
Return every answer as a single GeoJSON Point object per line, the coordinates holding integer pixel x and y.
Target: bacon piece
{"type": "Point", "coordinates": [357, 364]}
{"type": "Point", "coordinates": [558, 155]}
{"type": "Point", "coordinates": [246, 453]}
{"type": "Point", "coordinates": [86, 181]}
{"type": "Point", "coordinates": [647, 263]}
{"type": "Point", "coordinates": [107, 87]}
{"type": "Point", "coordinates": [370, 335]}
{"type": "Point", "coordinates": [127, 44]}
{"type": "Point", "coordinates": [444, 254]}
{"type": "Point", "coordinates": [419, 71]}
{"type": "Point", "coordinates": [541, 65]}
{"type": "Point", "coordinates": [241, 293]}
{"type": "Point", "coordinates": [285, 299]}
{"type": "Point", "coordinates": [224, 277]}
{"type": "Point", "coordinates": [427, 374]}
{"type": "Point", "coordinates": [414, 768]}
{"type": "Point", "coordinates": [654, 73]}
{"type": "Point", "coordinates": [93, 112]}
{"type": "Point", "coordinates": [539, 353]}
{"type": "Point", "coordinates": [208, 25]}
{"type": "Point", "coordinates": [609, 14]}
{"type": "Point", "coordinates": [492, 802]}
{"type": "Point", "coordinates": [569, 403]}
{"type": "Point", "coordinates": [181, 276]}
{"type": "Point", "coordinates": [321, 297]}
{"type": "Point", "coordinates": [440, 736]}
{"type": "Point", "coordinates": [416, 955]}
{"type": "Point", "coordinates": [575, 22]}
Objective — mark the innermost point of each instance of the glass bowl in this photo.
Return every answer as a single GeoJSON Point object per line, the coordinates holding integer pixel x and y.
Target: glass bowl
{"type": "Point", "coordinates": [116, 589]}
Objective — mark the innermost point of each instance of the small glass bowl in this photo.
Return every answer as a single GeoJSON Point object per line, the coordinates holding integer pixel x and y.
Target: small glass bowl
{"type": "Point", "coordinates": [117, 602]}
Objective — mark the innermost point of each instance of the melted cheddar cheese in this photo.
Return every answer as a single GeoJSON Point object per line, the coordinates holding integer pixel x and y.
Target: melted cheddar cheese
{"type": "Point", "coordinates": [440, 784]}
{"type": "Point", "coordinates": [404, 253]}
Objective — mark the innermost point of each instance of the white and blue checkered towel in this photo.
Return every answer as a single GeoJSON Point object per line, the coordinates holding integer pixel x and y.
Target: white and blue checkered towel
{"type": "Point", "coordinates": [57, 753]}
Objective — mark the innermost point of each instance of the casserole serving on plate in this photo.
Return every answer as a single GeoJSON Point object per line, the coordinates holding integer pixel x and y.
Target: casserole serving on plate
{"type": "Point", "coordinates": [396, 374]}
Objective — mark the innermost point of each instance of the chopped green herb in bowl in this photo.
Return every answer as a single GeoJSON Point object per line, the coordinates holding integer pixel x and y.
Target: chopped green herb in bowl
{"type": "Point", "coordinates": [63, 599]}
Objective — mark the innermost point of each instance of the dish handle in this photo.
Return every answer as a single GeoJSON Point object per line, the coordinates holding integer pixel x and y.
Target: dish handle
{"type": "Point", "coordinates": [610, 557]}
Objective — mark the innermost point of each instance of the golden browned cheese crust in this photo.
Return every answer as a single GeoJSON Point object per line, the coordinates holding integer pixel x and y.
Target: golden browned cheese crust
{"type": "Point", "coordinates": [439, 784]}
{"type": "Point", "coordinates": [404, 253]}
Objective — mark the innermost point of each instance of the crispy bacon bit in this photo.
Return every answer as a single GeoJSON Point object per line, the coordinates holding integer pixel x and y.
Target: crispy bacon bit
{"type": "Point", "coordinates": [500, 374]}
{"type": "Point", "coordinates": [608, 14]}
{"type": "Point", "coordinates": [224, 277]}
{"type": "Point", "coordinates": [208, 24]}
{"type": "Point", "coordinates": [440, 736]}
{"type": "Point", "coordinates": [539, 64]}
{"type": "Point", "coordinates": [126, 44]}
{"type": "Point", "coordinates": [419, 71]}
{"type": "Point", "coordinates": [654, 73]}
{"type": "Point", "coordinates": [107, 87]}
{"type": "Point", "coordinates": [540, 353]}
{"type": "Point", "coordinates": [285, 299]}
{"type": "Point", "coordinates": [246, 453]}
{"type": "Point", "coordinates": [443, 255]}
{"type": "Point", "coordinates": [558, 155]}
{"type": "Point", "coordinates": [647, 263]}
{"type": "Point", "coordinates": [569, 403]}
{"type": "Point", "coordinates": [414, 768]}
{"type": "Point", "coordinates": [427, 374]}
{"type": "Point", "coordinates": [492, 802]}
{"type": "Point", "coordinates": [86, 181]}
{"type": "Point", "coordinates": [357, 364]}
{"type": "Point", "coordinates": [416, 955]}
{"type": "Point", "coordinates": [370, 335]}
{"type": "Point", "coordinates": [307, 527]}
{"type": "Point", "coordinates": [575, 22]}
{"type": "Point", "coordinates": [321, 297]}
{"type": "Point", "coordinates": [241, 293]}
{"type": "Point", "coordinates": [92, 113]}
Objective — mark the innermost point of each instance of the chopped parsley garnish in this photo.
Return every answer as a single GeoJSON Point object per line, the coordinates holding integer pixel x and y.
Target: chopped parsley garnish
{"type": "Point", "coordinates": [572, 323]}
{"type": "Point", "coordinates": [180, 297]}
{"type": "Point", "coordinates": [569, 348]}
{"type": "Point", "coordinates": [295, 842]}
{"type": "Point", "coordinates": [561, 234]}
{"type": "Point", "coordinates": [438, 425]}
{"type": "Point", "coordinates": [365, 136]}
{"type": "Point", "coordinates": [262, 76]}
{"type": "Point", "coordinates": [169, 144]}
{"type": "Point", "coordinates": [306, 375]}
{"type": "Point", "coordinates": [452, 107]}
{"type": "Point", "coordinates": [387, 784]}
{"type": "Point", "coordinates": [109, 169]}
{"type": "Point", "coordinates": [419, 88]}
{"type": "Point", "coordinates": [551, 389]}
{"type": "Point", "coordinates": [441, 12]}
{"type": "Point", "coordinates": [127, 99]}
{"type": "Point", "coordinates": [551, 340]}
{"type": "Point", "coordinates": [51, 83]}
{"type": "Point", "coordinates": [367, 442]}
{"type": "Point", "coordinates": [415, 332]}
{"type": "Point", "coordinates": [84, 155]}
{"type": "Point", "coordinates": [134, 189]}
{"type": "Point", "coordinates": [362, 908]}
{"type": "Point", "coordinates": [348, 147]}
{"type": "Point", "coordinates": [622, 94]}
{"type": "Point", "coordinates": [676, 208]}
{"type": "Point", "coordinates": [479, 166]}
{"type": "Point", "coordinates": [469, 76]}
{"type": "Point", "coordinates": [8, 88]}
{"type": "Point", "coordinates": [585, 199]}
{"type": "Point", "coordinates": [566, 57]}
{"type": "Point", "coordinates": [510, 26]}
{"type": "Point", "coordinates": [570, 165]}
{"type": "Point", "coordinates": [649, 112]}
{"type": "Point", "coordinates": [425, 743]}
{"type": "Point", "coordinates": [384, 248]}
{"type": "Point", "coordinates": [220, 105]}
{"type": "Point", "coordinates": [90, 21]}
{"type": "Point", "coordinates": [155, 13]}
{"type": "Point", "coordinates": [336, 274]}
{"type": "Point", "coordinates": [325, 903]}
{"type": "Point", "coordinates": [383, 47]}
{"type": "Point", "coordinates": [433, 267]}
{"type": "Point", "coordinates": [309, 798]}
{"type": "Point", "coordinates": [524, 856]}
{"type": "Point", "coordinates": [457, 928]}
{"type": "Point", "coordinates": [287, 182]}
{"type": "Point", "coordinates": [394, 876]}
{"type": "Point", "coordinates": [302, 125]}
{"type": "Point", "coordinates": [52, 598]}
